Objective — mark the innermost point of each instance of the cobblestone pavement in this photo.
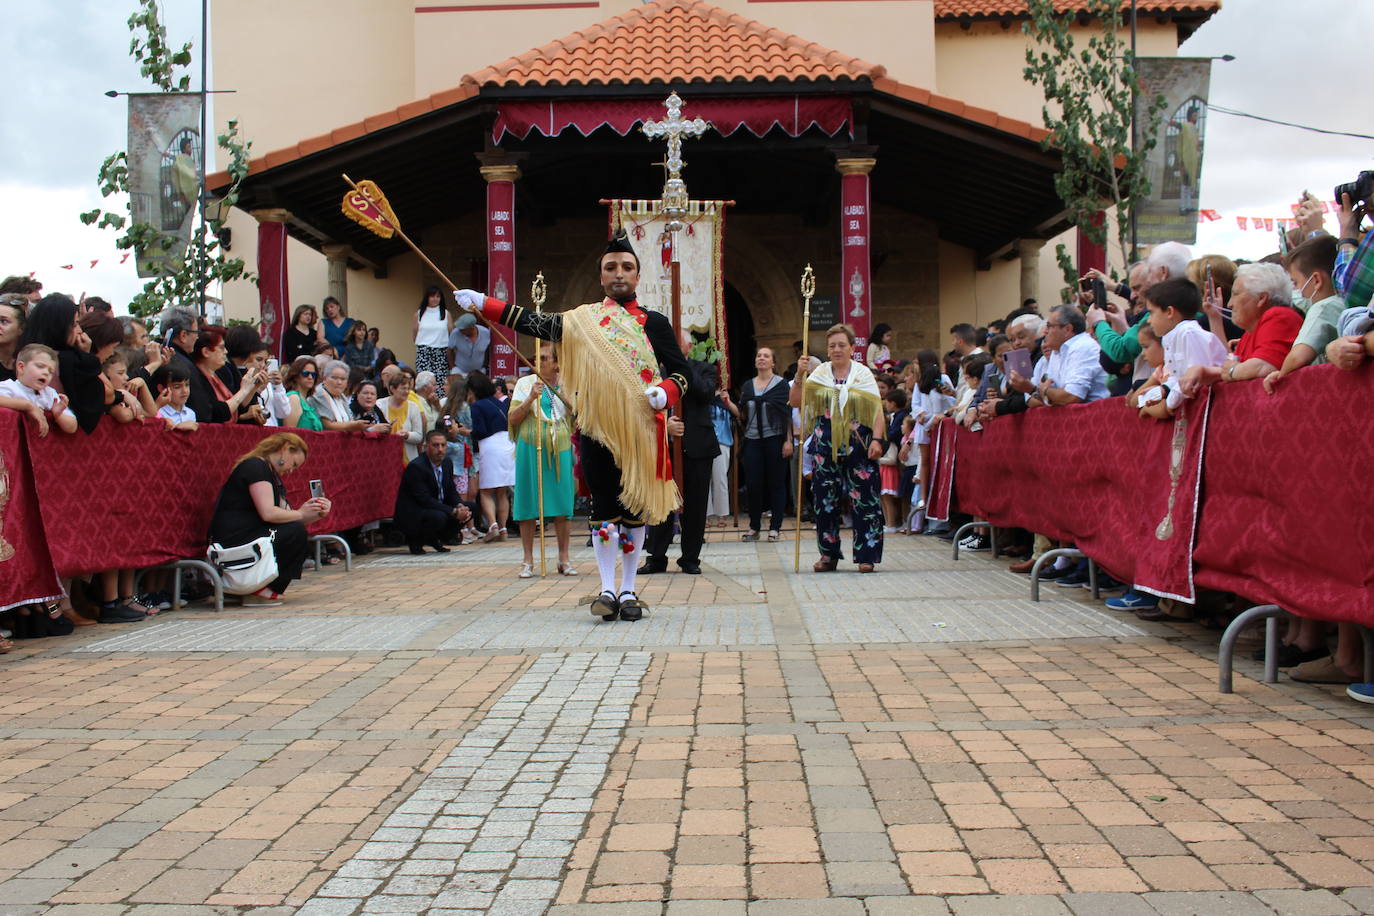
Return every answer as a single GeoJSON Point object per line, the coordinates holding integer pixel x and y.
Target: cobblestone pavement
{"type": "Point", "coordinates": [432, 734]}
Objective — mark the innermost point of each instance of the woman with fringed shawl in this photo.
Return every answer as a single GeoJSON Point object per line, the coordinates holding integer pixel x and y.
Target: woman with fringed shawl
{"type": "Point", "coordinates": [843, 413]}
{"type": "Point", "coordinates": [610, 355]}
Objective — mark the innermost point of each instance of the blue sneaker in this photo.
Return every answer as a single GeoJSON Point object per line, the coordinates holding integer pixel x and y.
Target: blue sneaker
{"type": "Point", "coordinates": [1362, 692]}
{"type": "Point", "coordinates": [1133, 601]}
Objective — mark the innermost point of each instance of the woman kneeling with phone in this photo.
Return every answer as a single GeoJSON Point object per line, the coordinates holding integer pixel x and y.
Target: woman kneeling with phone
{"type": "Point", "coordinates": [252, 504]}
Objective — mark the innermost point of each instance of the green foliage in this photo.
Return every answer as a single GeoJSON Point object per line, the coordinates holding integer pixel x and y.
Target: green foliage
{"type": "Point", "coordinates": [1069, 271]}
{"type": "Point", "coordinates": [1089, 100]}
{"type": "Point", "coordinates": [157, 61]}
{"type": "Point", "coordinates": [705, 351]}
{"type": "Point", "coordinates": [209, 263]}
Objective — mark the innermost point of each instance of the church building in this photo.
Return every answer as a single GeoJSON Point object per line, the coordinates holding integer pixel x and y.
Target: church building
{"type": "Point", "coordinates": [894, 145]}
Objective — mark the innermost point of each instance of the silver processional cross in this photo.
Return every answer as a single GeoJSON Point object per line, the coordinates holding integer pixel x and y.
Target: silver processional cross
{"type": "Point", "coordinates": [674, 128]}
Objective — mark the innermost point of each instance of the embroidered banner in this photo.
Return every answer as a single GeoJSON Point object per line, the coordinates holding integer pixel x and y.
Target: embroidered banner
{"type": "Point", "coordinates": [274, 291]}
{"type": "Point", "coordinates": [700, 252]}
{"type": "Point", "coordinates": [502, 361]}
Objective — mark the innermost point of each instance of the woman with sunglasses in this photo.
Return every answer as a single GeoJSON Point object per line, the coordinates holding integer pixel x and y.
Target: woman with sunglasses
{"type": "Point", "coordinates": [300, 384]}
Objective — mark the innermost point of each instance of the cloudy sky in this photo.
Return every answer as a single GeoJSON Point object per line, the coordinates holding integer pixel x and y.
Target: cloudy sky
{"type": "Point", "coordinates": [1295, 62]}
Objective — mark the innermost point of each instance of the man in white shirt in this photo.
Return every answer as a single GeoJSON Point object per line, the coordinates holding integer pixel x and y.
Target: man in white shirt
{"type": "Point", "coordinates": [1072, 372]}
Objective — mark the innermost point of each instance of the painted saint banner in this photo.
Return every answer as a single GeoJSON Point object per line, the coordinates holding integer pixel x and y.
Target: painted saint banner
{"type": "Point", "coordinates": [1174, 166]}
{"type": "Point", "coordinates": [164, 174]}
{"type": "Point", "coordinates": [700, 252]}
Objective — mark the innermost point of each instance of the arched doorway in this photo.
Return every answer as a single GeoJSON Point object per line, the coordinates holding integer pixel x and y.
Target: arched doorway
{"type": "Point", "coordinates": [739, 329]}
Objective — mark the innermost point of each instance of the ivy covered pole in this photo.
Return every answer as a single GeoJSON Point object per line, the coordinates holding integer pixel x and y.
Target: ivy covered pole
{"type": "Point", "coordinates": [1135, 242]}
{"type": "Point", "coordinates": [1090, 90]}
{"type": "Point", "coordinates": [201, 253]}
{"type": "Point", "coordinates": [162, 65]}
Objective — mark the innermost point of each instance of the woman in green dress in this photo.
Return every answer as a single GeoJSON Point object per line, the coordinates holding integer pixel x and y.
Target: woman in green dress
{"type": "Point", "coordinates": [535, 413]}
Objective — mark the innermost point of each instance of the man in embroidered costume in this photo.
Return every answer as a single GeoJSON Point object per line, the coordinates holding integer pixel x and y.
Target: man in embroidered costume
{"type": "Point", "coordinates": [610, 353]}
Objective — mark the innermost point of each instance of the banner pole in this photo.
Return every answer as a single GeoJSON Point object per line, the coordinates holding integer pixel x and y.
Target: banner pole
{"type": "Point", "coordinates": [808, 289]}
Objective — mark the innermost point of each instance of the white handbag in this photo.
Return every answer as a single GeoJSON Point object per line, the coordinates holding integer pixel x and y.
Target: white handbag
{"type": "Point", "coordinates": [247, 568]}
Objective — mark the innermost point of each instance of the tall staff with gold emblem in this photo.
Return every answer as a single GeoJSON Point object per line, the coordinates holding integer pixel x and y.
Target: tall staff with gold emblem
{"type": "Point", "coordinates": [808, 289]}
{"type": "Point", "coordinates": [539, 294]}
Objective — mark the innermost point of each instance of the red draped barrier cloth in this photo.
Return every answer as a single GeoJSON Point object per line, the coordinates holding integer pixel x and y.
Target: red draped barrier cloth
{"type": "Point", "coordinates": [1283, 513]}
{"type": "Point", "coordinates": [137, 494]}
{"type": "Point", "coordinates": [795, 114]}
{"type": "Point", "coordinates": [26, 570]}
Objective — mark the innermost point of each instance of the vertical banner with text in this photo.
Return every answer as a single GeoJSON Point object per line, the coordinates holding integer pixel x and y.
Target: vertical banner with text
{"type": "Point", "coordinates": [503, 362]}
{"type": "Point", "coordinates": [856, 281]}
{"type": "Point", "coordinates": [164, 174]}
{"type": "Point", "coordinates": [273, 286]}
{"type": "Point", "coordinates": [1174, 166]}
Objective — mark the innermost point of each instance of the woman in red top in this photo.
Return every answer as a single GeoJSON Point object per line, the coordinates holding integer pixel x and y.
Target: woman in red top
{"type": "Point", "coordinates": [1261, 303]}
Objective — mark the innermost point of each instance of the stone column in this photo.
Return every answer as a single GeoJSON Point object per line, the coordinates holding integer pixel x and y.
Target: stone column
{"type": "Point", "coordinates": [274, 295]}
{"type": "Point", "coordinates": [1029, 252]}
{"type": "Point", "coordinates": [337, 258]}
{"type": "Point", "coordinates": [856, 280]}
{"type": "Point", "coordinates": [501, 180]}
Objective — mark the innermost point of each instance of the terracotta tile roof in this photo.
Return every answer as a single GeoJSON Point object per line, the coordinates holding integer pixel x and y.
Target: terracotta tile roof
{"type": "Point", "coordinates": [947, 10]}
{"type": "Point", "coordinates": [674, 41]}
{"type": "Point", "coordinates": [984, 116]}
{"type": "Point", "coordinates": [219, 180]}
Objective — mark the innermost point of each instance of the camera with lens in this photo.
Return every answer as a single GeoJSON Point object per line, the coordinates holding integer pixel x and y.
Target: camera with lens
{"type": "Point", "coordinates": [1359, 190]}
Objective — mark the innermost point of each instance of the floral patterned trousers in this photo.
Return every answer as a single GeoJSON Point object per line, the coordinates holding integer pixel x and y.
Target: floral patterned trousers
{"type": "Point", "coordinates": [853, 478]}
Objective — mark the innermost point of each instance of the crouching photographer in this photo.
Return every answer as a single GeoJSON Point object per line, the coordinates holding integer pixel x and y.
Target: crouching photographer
{"type": "Point", "coordinates": [252, 508]}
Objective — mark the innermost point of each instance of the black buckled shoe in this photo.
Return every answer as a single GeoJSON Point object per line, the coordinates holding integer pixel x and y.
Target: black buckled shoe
{"type": "Point", "coordinates": [631, 608]}
{"type": "Point", "coordinates": [606, 606]}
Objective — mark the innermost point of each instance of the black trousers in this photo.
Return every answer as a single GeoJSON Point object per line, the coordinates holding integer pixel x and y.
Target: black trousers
{"type": "Point", "coordinates": [603, 482]}
{"type": "Point", "coordinates": [765, 476]}
{"type": "Point", "coordinates": [430, 527]}
{"type": "Point", "coordinates": [696, 485]}
{"type": "Point", "coordinates": [290, 545]}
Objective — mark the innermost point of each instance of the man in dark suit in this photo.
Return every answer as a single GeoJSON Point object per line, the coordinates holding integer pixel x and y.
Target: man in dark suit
{"type": "Point", "coordinates": [699, 450]}
{"type": "Point", "coordinates": [428, 510]}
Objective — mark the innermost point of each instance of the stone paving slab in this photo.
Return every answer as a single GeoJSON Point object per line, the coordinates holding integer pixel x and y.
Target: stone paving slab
{"type": "Point", "coordinates": [962, 583]}
{"type": "Point", "coordinates": [360, 632]}
{"type": "Point", "coordinates": [958, 620]}
{"type": "Point", "coordinates": [492, 826]}
{"type": "Point", "coordinates": [664, 626]}
{"type": "Point", "coordinates": [1051, 758]}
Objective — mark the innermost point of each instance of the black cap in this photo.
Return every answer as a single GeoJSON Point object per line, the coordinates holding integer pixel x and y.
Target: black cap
{"type": "Point", "coordinates": [620, 242]}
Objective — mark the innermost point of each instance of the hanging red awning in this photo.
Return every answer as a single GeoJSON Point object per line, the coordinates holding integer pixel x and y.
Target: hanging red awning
{"type": "Point", "coordinates": [794, 113]}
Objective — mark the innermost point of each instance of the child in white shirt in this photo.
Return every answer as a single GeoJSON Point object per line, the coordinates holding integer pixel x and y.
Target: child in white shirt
{"type": "Point", "coordinates": [1173, 305]}
{"type": "Point", "coordinates": [175, 381]}
{"type": "Point", "coordinates": [31, 391]}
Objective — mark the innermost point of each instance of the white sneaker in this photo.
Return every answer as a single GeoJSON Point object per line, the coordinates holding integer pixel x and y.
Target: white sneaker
{"type": "Point", "coordinates": [889, 529]}
{"type": "Point", "coordinates": [526, 571]}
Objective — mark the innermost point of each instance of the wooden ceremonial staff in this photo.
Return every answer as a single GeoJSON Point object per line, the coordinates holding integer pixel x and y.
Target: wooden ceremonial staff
{"type": "Point", "coordinates": [539, 292]}
{"type": "Point", "coordinates": [495, 329]}
{"type": "Point", "coordinates": [808, 289]}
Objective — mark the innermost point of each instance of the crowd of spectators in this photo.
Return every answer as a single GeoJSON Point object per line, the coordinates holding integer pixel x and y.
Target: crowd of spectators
{"type": "Point", "coordinates": [1169, 326]}
{"type": "Point", "coordinates": [65, 365]}
{"type": "Point", "coordinates": [1175, 325]}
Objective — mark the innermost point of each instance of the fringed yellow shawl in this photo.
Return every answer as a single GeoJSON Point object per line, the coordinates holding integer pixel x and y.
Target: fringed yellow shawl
{"type": "Point", "coordinates": [606, 362]}
{"type": "Point", "coordinates": [855, 401]}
